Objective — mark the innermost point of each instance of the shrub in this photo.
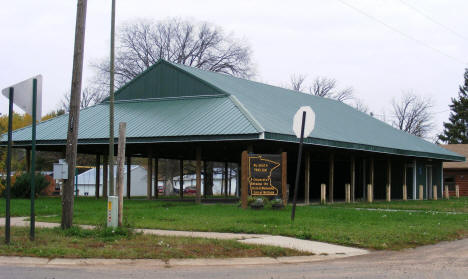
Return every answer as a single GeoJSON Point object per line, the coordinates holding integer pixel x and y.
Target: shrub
{"type": "Point", "coordinates": [22, 187]}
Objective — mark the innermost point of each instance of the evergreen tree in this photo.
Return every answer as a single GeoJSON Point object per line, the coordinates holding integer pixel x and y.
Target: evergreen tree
{"type": "Point", "coordinates": [456, 130]}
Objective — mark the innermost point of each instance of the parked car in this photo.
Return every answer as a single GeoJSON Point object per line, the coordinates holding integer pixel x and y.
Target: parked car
{"type": "Point", "coordinates": [190, 190]}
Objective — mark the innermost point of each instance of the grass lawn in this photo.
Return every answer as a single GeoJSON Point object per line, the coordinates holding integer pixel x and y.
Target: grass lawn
{"type": "Point", "coordinates": [452, 205]}
{"type": "Point", "coordinates": [359, 228]}
{"type": "Point", "coordinates": [103, 243]}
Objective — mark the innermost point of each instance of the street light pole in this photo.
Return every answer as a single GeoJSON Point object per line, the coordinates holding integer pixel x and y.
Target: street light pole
{"type": "Point", "coordinates": [111, 106]}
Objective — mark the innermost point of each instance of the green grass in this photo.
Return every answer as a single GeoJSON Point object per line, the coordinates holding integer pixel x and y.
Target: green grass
{"type": "Point", "coordinates": [105, 243]}
{"type": "Point", "coordinates": [452, 205]}
{"type": "Point", "coordinates": [360, 228]}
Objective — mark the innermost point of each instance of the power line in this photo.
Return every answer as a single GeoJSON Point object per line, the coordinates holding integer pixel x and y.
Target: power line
{"type": "Point", "coordinates": [402, 33]}
{"type": "Point", "coordinates": [434, 20]}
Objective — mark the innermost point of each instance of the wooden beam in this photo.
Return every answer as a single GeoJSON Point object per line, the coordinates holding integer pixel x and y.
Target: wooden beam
{"type": "Point", "coordinates": [331, 176]}
{"type": "Point", "coordinates": [389, 181]}
{"type": "Point", "coordinates": [284, 175]}
{"type": "Point", "coordinates": [129, 176]}
{"type": "Point", "coordinates": [371, 173]}
{"type": "Point", "coordinates": [149, 178]}
{"type": "Point", "coordinates": [156, 177]}
{"type": "Point", "coordinates": [98, 176]}
{"type": "Point", "coordinates": [244, 178]}
{"type": "Point", "coordinates": [105, 175]}
{"type": "Point", "coordinates": [226, 178]}
{"type": "Point", "coordinates": [353, 179]}
{"type": "Point", "coordinates": [307, 177]}
{"type": "Point", "coordinates": [405, 189]}
{"type": "Point", "coordinates": [198, 173]}
{"type": "Point", "coordinates": [204, 179]}
{"type": "Point", "coordinates": [120, 169]}
{"type": "Point", "coordinates": [181, 178]}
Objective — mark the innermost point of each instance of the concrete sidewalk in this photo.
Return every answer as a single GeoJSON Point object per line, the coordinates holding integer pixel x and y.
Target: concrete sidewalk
{"type": "Point", "coordinates": [315, 247]}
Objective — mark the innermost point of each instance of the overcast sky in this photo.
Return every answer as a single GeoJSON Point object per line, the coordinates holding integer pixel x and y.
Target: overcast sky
{"type": "Point", "coordinates": [379, 47]}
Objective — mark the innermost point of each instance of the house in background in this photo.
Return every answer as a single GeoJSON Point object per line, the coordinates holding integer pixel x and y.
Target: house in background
{"type": "Point", "coordinates": [456, 173]}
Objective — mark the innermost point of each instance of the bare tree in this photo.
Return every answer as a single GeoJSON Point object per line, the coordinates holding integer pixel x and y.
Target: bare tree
{"type": "Point", "coordinates": [360, 106]}
{"type": "Point", "coordinates": [412, 114]}
{"type": "Point", "coordinates": [201, 45]}
{"type": "Point", "coordinates": [89, 97]}
{"type": "Point", "coordinates": [323, 87]}
{"type": "Point", "coordinates": [297, 82]}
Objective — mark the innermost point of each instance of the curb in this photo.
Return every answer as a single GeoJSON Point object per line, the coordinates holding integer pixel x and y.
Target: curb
{"type": "Point", "coordinates": [63, 262]}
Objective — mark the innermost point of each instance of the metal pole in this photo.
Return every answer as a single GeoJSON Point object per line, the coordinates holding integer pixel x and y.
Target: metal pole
{"type": "Point", "coordinates": [111, 106]}
{"type": "Point", "coordinates": [8, 167]}
{"type": "Point", "coordinates": [299, 157]}
{"type": "Point", "coordinates": [33, 160]}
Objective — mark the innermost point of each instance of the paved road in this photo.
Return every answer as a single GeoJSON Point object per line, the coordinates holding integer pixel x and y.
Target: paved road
{"type": "Point", "coordinates": [444, 260]}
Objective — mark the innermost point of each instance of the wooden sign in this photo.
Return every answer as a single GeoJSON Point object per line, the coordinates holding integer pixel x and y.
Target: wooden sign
{"type": "Point", "coordinates": [264, 175]}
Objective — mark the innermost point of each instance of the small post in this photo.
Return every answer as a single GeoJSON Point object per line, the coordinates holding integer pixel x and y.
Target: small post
{"type": "Point", "coordinates": [353, 179]}
{"type": "Point", "coordinates": [370, 194]}
{"type": "Point", "coordinates": [434, 192]}
{"type": "Point", "coordinates": [347, 193]}
{"type": "Point", "coordinates": [244, 177]}
{"type": "Point", "coordinates": [149, 178]}
{"type": "Point", "coordinates": [421, 192]}
{"type": "Point", "coordinates": [120, 169]}
{"type": "Point", "coordinates": [198, 173]}
{"type": "Point", "coordinates": [388, 194]}
{"type": "Point", "coordinates": [323, 194]}
{"type": "Point", "coordinates": [307, 177]}
{"type": "Point", "coordinates": [447, 195]}
{"type": "Point", "coordinates": [457, 191]}
{"type": "Point", "coordinates": [298, 168]}
{"type": "Point", "coordinates": [33, 162]}
{"type": "Point", "coordinates": [405, 192]}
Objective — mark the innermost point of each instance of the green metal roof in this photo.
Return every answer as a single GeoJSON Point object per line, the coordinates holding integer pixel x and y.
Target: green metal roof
{"type": "Point", "coordinates": [170, 100]}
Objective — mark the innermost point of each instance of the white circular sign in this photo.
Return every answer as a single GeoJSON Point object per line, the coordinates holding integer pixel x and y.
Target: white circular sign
{"type": "Point", "coordinates": [309, 124]}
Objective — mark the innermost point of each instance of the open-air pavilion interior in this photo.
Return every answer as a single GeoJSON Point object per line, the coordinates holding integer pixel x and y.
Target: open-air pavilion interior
{"type": "Point", "coordinates": [178, 112]}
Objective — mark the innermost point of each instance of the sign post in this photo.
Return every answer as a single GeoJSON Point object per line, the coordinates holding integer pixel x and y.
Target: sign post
{"type": "Point", "coordinates": [302, 128]}
{"type": "Point", "coordinates": [32, 105]}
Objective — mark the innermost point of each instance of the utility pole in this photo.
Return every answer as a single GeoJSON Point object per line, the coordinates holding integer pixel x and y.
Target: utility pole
{"type": "Point", "coordinates": [73, 117]}
{"type": "Point", "coordinates": [111, 106]}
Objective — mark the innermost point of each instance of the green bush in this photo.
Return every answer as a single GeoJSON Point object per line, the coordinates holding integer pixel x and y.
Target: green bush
{"type": "Point", "coordinates": [22, 187]}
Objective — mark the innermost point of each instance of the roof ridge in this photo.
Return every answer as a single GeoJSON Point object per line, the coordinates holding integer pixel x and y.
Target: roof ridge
{"type": "Point", "coordinates": [247, 115]}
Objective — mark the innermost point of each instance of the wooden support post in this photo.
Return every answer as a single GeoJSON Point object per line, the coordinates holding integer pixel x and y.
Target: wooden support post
{"type": "Point", "coordinates": [447, 195]}
{"type": "Point", "coordinates": [457, 191]}
{"type": "Point", "coordinates": [244, 178]}
{"type": "Point", "coordinates": [156, 178]}
{"type": "Point", "coordinates": [371, 173]}
{"type": "Point", "coordinates": [307, 177]}
{"type": "Point", "coordinates": [98, 176]}
{"type": "Point", "coordinates": [421, 192]}
{"type": "Point", "coordinates": [347, 193]}
{"type": "Point", "coordinates": [198, 174]}
{"type": "Point", "coordinates": [181, 180]}
{"type": "Point", "coordinates": [120, 169]}
{"type": "Point", "coordinates": [353, 179]}
{"type": "Point", "coordinates": [284, 175]}
{"type": "Point", "coordinates": [370, 193]}
{"type": "Point", "coordinates": [323, 194]}
{"type": "Point", "coordinates": [226, 178]}
{"type": "Point", "coordinates": [405, 190]}
{"type": "Point", "coordinates": [129, 176]}
{"type": "Point", "coordinates": [389, 181]}
{"type": "Point", "coordinates": [105, 175]}
{"type": "Point", "coordinates": [331, 175]}
{"type": "Point", "coordinates": [149, 178]}
{"type": "Point", "coordinates": [434, 192]}
{"type": "Point", "coordinates": [205, 179]}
